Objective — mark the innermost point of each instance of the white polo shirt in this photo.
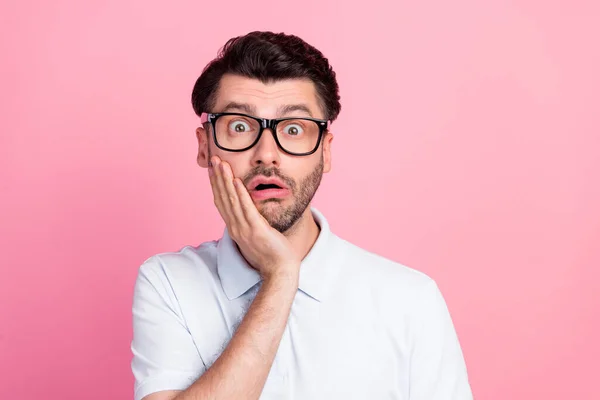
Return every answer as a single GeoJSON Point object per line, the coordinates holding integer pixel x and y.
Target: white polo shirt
{"type": "Point", "coordinates": [360, 327]}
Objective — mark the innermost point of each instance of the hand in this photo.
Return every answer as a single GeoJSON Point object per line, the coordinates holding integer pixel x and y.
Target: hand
{"type": "Point", "coordinates": [266, 249]}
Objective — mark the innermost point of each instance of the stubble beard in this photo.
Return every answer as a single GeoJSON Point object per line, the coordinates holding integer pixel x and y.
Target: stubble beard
{"type": "Point", "coordinates": [283, 219]}
{"type": "Point", "coordinates": [302, 195]}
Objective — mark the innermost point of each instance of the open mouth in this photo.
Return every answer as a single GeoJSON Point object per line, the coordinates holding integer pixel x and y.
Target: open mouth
{"type": "Point", "coordinates": [268, 190]}
{"type": "Point", "coordinates": [263, 186]}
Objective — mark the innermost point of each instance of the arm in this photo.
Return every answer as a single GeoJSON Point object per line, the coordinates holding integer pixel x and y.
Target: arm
{"type": "Point", "coordinates": [437, 366]}
{"type": "Point", "coordinates": [164, 353]}
{"type": "Point", "coordinates": [243, 367]}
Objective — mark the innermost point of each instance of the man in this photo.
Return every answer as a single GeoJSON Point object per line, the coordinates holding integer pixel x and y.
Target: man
{"type": "Point", "coordinates": [280, 307]}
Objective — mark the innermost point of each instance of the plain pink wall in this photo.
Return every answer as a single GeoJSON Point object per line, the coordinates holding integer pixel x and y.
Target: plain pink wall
{"type": "Point", "coordinates": [468, 147]}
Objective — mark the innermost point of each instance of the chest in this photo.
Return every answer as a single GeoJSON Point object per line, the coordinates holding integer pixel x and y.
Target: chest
{"type": "Point", "coordinates": [327, 351]}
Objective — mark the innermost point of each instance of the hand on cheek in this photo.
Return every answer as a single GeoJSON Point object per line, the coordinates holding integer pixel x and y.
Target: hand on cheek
{"type": "Point", "coordinates": [266, 249]}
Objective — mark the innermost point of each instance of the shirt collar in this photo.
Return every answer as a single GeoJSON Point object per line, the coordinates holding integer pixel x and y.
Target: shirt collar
{"type": "Point", "coordinates": [316, 269]}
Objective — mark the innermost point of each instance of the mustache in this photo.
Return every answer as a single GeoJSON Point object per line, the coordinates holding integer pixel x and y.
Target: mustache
{"type": "Point", "coordinates": [268, 172]}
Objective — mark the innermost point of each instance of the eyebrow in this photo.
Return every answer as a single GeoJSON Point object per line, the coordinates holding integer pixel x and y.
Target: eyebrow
{"type": "Point", "coordinates": [247, 108]}
{"type": "Point", "coordinates": [290, 108]}
{"type": "Point", "coordinates": [281, 111]}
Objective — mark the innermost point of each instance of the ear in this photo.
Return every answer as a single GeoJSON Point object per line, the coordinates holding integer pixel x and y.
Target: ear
{"type": "Point", "coordinates": [327, 139]}
{"type": "Point", "coordinates": [202, 137]}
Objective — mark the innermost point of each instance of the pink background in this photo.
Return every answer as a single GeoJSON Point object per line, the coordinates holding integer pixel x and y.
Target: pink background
{"type": "Point", "coordinates": [479, 166]}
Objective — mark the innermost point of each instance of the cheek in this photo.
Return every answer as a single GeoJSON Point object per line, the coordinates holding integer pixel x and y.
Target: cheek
{"type": "Point", "coordinates": [238, 163]}
{"type": "Point", "coordinates": [301, 168]}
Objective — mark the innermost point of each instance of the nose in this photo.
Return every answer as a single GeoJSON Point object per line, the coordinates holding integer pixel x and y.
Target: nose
{"type": "Point", "coordinates": [266, 151]}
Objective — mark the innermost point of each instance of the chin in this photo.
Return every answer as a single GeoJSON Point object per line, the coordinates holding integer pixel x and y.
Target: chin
{"type": "Point", "coordinates": [269, 204]}
{"type": "Point", "coordinates": [274, 212]}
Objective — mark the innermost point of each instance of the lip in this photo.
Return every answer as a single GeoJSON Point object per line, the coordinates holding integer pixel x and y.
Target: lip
{"type": "Point", "coordinates": [269, 194]}
{"type": "Point", "coordinates": [275, 193]}
{"type": "Point", "coordinates": [263, 180]}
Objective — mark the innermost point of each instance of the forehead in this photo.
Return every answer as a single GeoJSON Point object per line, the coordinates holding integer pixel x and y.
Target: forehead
{"type": "Point", "coordinates": [267, 99]}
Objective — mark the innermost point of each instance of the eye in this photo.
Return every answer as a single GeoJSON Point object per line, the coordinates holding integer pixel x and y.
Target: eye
{"type": "Point", "coordinates": [239, 127]}
{"type": "Point", "coordinates": [293, 129]}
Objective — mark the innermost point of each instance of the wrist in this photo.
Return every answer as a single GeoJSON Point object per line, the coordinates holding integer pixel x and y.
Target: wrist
{"type": "Point", "coordinates": [284, 278]}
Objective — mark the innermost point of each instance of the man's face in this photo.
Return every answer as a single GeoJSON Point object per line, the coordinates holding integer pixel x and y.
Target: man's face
{"type": "Point", "coordinates": [300, 174]}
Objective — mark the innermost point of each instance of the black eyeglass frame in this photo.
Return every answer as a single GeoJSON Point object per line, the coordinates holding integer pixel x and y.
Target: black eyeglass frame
{"type": "Point", "coordinates": [264, 124]}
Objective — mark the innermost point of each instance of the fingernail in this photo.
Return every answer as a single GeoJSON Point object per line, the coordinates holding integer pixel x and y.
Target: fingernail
{"type": "Point", "coordinates": [210, 170]}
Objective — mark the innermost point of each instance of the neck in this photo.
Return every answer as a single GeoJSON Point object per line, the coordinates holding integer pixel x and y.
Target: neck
{"type": "Point", "coordinates": [303, 234]}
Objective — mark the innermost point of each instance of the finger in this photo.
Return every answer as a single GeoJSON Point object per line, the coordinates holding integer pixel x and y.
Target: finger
{"type": "Point", "coordinates": [213, 181]}
{"type": "Point", "coordinates": [222, 189]}
{"type": "Point", "coordinates": [212, 178]}
{"type": "Point", "coordinates": [250, 211]}
{"type": "Point", "coordinates": [217, 188]}
{"type": "Point", "coordinates": [233, 198]}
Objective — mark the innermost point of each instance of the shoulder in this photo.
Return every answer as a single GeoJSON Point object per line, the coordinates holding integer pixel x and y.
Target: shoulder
{"type": "Point", "coordinates": [387, 279]}
{"type": "Point", "coordinates": [191, 265]}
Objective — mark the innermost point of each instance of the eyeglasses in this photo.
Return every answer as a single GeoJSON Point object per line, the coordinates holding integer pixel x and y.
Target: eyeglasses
{"type": "Point", "coordinates": [240, 132]}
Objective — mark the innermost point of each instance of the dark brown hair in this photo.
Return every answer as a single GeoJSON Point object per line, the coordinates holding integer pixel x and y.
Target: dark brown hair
{"type": "Point", "coordinates": [269, 57]}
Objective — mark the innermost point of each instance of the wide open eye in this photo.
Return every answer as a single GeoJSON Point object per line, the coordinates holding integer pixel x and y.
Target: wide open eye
{"type": "Point", "coordinates": [293, 129]}
{"type": "Point", "coordinates": [239, 126]}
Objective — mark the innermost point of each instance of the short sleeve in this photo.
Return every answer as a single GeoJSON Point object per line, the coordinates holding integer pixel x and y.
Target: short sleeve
{"type": "Point", "coordinates": [437, 366]}
{"type": "Point", "coordinates": [164, 354]}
